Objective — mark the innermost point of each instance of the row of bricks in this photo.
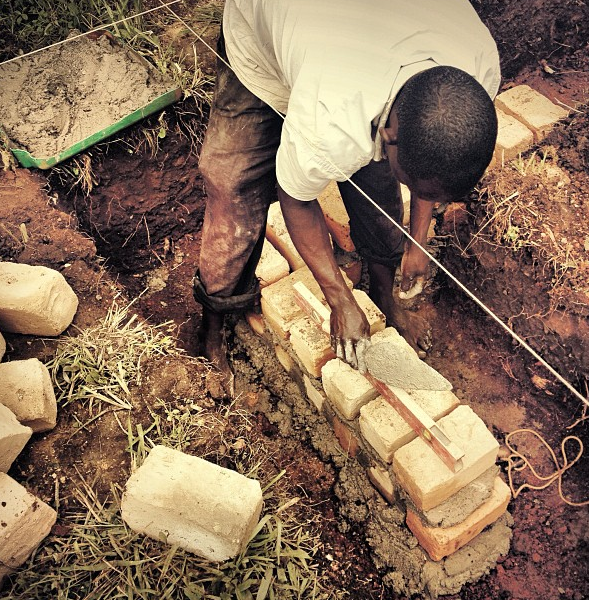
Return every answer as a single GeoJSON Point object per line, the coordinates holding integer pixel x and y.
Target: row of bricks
{"type": "Point", "coordinates": [524, 117]}
{"type": "Point", "coordinates": [370, 430]}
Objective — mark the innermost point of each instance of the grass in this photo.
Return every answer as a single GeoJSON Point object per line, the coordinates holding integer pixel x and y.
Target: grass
{"type": "Point", "coordinates": [95, 555]}
{"type": "Point", "coordinates": [98, 365]}
{"type": "Point", "coordinates": [100, 558]}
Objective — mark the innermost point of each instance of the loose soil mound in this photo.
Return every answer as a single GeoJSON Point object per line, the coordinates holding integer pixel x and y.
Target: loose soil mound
{"type": "Point", "coordinates": [54, 99]}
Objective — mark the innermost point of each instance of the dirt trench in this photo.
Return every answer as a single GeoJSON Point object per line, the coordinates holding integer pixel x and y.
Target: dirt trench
{"type": "Point", "coordinates": [142, 218]}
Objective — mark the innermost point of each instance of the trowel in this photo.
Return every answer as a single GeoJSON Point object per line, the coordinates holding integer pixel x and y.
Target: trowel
{"type": "Point", "coordinates": [401, 401]}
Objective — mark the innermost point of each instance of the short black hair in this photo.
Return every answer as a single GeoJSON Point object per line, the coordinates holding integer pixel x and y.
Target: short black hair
{"type": "Point", "coordinates": [447, 128]}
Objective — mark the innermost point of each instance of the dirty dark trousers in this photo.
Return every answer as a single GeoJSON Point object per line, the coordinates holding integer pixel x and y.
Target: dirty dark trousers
{"type": "Point", "coordinates": [237, 163]}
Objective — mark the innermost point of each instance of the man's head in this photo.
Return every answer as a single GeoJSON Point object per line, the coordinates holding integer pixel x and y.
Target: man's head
{"type": "Point", "coordinates": [443, 127]}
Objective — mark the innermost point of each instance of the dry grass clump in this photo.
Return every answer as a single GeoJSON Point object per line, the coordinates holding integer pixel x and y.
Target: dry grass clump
{"type": "Point", "coordinates": [529, 207]}
{"type": "Point", "coordinates": [98, 365]}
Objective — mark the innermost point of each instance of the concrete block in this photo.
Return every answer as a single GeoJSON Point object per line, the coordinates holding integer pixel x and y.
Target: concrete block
{"type": "Point", "coordinates": [277, 234]}
{"type": "Point", "coordinates": [188, 501]}
{"type": "Point", "coordinates": [278, 305]}
{"type": "Point", "coordinates": [272, 266]}
{"type": "Point", "coordinates": [531, 108]}
{"type": "Point", "coordinates": [392, 360]}
{"type": "Point", "coordinates": [376, 318]}
{"type": "Point", "coordinates": [513, 137]}
{"type": "Point", "coordinates": [28, 392]}
{"type": "Point", "coordinates": [35, 300]}
{"type": "Point", "coordinates": [336, 216]}
{"type": "Point", "coordinates": [311, 345]}
{"type": "Point", "coordinates": [2, 346]}
{"type": "Point", "coordinates": [317, 397]}
{"type": "Point", "coordinates": [13, 438]}
{"type": "Point", "coordinates": [25, 520]}
{"type": "Point", "coordinates": [347, 389]}
{"type": "Point", "coordinates": [424, 476]}
{"type": "Point", "coordinates": [384, 428]}
{"type": "Point", "coordinates": [383, 481]}
{"type": "Point", "coordinates": [439, 542]}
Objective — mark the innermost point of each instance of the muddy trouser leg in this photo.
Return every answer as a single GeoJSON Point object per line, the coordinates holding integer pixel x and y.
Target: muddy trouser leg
{"type": "Point", "coordinates": [237, 162]}
{"type": "Point", "coordinates": [377, 240]}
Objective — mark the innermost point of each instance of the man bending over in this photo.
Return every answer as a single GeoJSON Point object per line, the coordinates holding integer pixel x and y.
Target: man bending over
{"type": "Point", "coordinates": [380, 92]}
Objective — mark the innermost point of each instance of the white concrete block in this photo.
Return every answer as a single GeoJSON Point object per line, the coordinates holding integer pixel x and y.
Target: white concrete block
{"type": "Point", "coordinates": [26, 389]}
{"type": "Point", "coordinates": [188, 501]}
{"type": "Point", "coordinates": [13, 438]}
{"type": "Point", "coordinates": [531, 108]}
{"type": "Point", "coordinates": [35, 300]}
{"type": "Point", "coordinates": [347, 389]}
{"type": "Point", "coordinates": [25, 522]}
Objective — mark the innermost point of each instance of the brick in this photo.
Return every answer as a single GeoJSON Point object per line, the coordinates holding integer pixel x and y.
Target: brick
{"type": "Point", "coordinates": [384, 428]}
{"type": "Point", "coordinates": [277, 234]}
{"type": "Point", "coordinates": [35, 300]}
{"type": "Point", "coordinates": [463, 503]}
{"type": "Point", "coordinates": [346, 388]}
{"type": "Point", "coordinates": [2, 346]}
{"type": "Point", "coordinates": [311, 345]}
{"type": "Point", "coordinates": [513, 137]}
{"type": "Point", "coordinates": [278, 305]}
{"type": "Point", "coordinates": [439, 542]}
{"type": "Point", "coordinates": [28, 392]}
{"type": "Point", "coordinates": [13, 438]}
{"type": "Point", "coordinates": [424, 476]}
{"type": "Point", "coordinates": [272, 266]}
{"type": "Point", "coordinates": [344, 433]}
{"type": "Point", "coordinates": [256, 323]}
{"type": "Point", "coordinates": [317, 397]}
{"type": "Point", "coordinates": [284, 358]}
{"type": "Point", "coordinates": [376, 318]}
{"type": "Point", "coordinates": [531, 108]}
{"type": "Point", "coordinates": [201, 507]}
{"type": "Point", "coordinates": [336, 216]}
{"type": "Point", "coordinates": [26, 521]}
{"type": "Point", "coordinates": [392, 360]}
{"type": "Point", "coordinates": [382, 480]}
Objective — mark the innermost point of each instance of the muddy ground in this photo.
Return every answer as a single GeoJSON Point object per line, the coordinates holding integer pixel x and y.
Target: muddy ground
{"type": "Point", "coordinates": [138, 231]}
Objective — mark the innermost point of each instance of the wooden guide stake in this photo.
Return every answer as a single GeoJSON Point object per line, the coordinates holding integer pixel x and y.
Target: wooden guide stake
{"type": "Point", "coordinates": [409, 410]}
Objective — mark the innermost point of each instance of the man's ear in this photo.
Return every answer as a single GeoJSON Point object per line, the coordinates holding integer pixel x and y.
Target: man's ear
{"type": "Point", "coordinates": [387, 135]}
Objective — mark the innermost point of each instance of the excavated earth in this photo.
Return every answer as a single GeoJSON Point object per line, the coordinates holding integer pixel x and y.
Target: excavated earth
{"type": "Point", "coordinates": [137, 230]}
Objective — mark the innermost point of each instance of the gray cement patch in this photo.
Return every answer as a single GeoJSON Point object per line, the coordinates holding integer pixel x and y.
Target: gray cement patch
{"type": "Point", "coordinates": [462, 504]}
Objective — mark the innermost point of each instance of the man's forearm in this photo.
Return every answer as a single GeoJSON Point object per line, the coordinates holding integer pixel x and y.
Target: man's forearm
{"type": "Point", "coordinates": [420, 218]}
{"type": "Point", "coordinates": [307, 229]}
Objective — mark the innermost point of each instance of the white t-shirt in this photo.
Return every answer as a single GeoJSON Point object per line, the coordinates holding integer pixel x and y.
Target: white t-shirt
{"type": "Point", "coordinates": [332, 65]}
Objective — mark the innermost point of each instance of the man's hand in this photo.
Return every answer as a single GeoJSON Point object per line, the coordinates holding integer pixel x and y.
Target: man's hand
{"type": "Point", "coordinates": [350, 334]}
{"type": "Point", "coordinates": [349, 327]}
{"type": "Point", "coordinates": [414, 265]}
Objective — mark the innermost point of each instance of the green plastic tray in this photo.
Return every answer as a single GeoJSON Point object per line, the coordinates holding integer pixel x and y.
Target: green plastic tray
{"type": "Point", "coordinates": [26, 160]}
